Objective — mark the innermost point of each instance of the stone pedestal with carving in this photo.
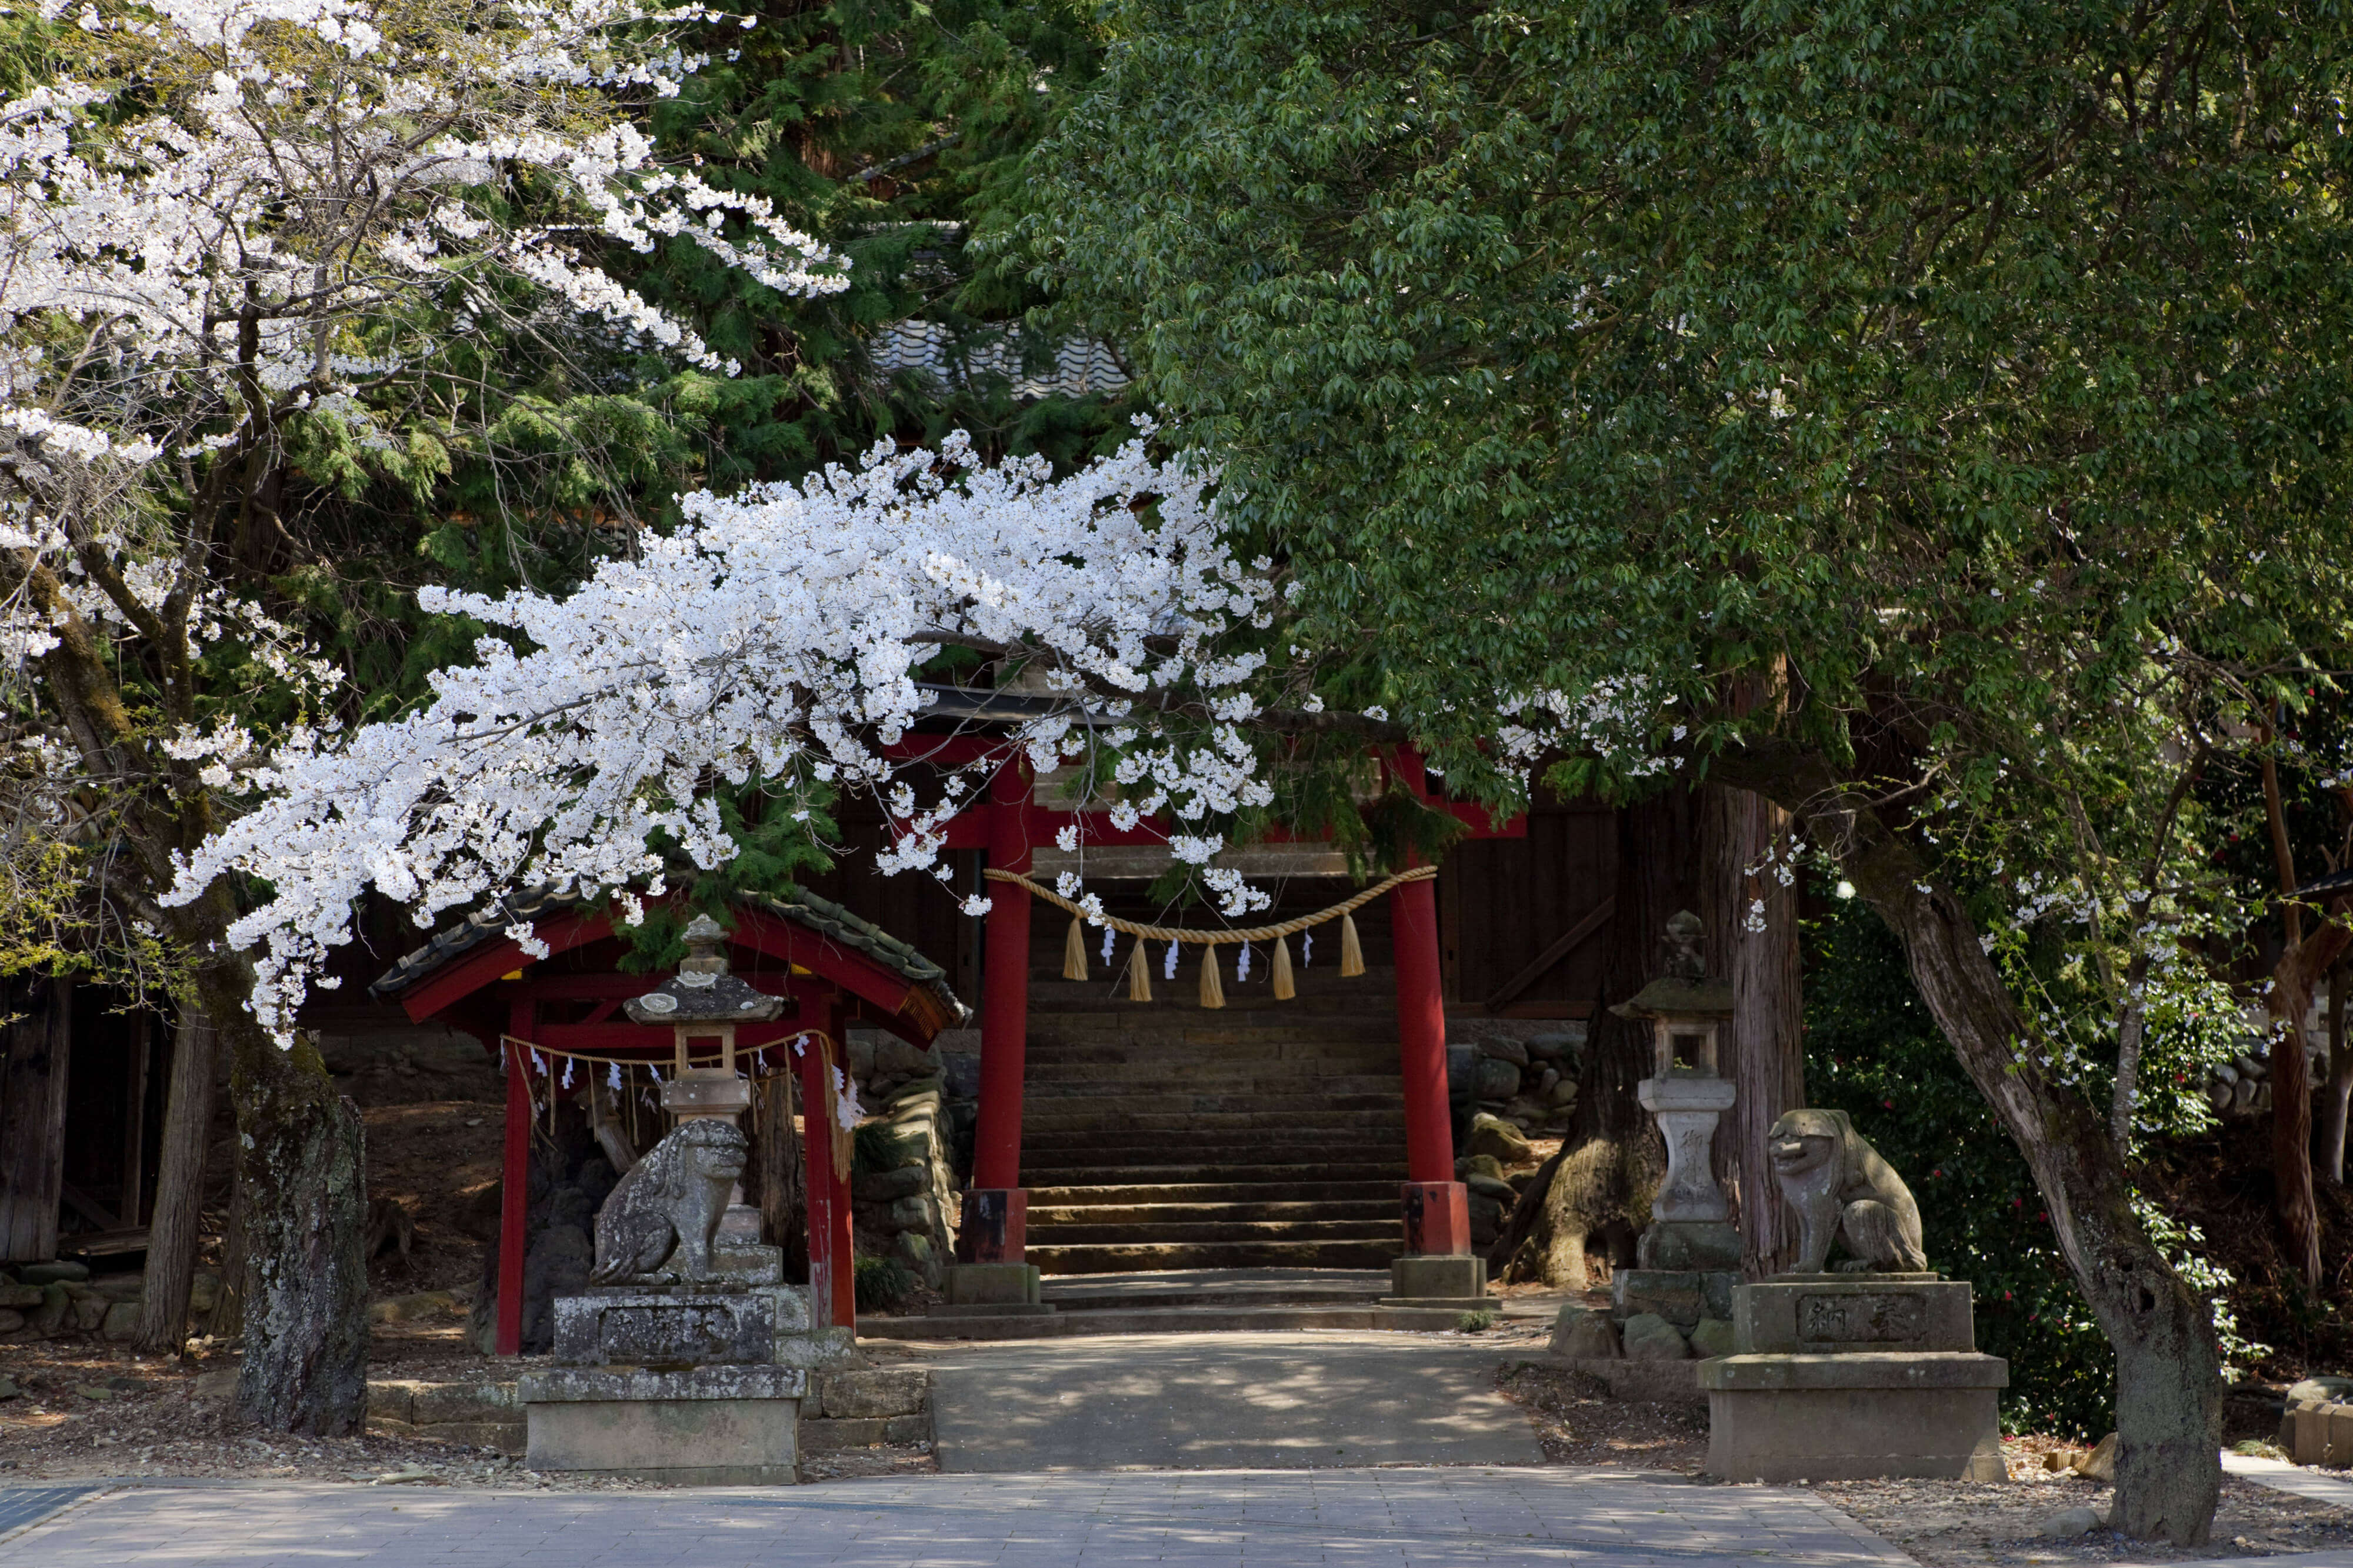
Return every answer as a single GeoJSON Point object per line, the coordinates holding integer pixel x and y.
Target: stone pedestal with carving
{"type": "Point", "coordinates": [1686, 1110]}
{"type": "Point", "coordinates": [1853, 1377]}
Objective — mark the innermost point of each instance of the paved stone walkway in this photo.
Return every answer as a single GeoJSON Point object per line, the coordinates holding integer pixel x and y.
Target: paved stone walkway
{"type": "Point", "coordinates": [1364, 1519]}
{"type": "Point", "coordinates": [1223, 1401]}
{"type": "Point", "coordinates": [2337, 1491]}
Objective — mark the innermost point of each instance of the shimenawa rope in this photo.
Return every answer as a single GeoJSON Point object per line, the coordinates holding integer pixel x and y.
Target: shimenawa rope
{"type": "Point", "coordinates": [1213, 991]}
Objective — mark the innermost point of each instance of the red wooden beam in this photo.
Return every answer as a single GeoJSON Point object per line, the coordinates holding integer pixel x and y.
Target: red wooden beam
{"type": "Point", "coordinates": [483, 965]}
{"type": "Point", "coordinates": [849, 972]}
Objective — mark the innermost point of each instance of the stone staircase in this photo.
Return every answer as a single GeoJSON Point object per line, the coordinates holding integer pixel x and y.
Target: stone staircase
{"type": "Point", "coordinates": [1164, 1136]}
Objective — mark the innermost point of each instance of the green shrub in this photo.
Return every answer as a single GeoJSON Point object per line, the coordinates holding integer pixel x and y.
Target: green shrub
{"type": "Point", "coordinates": [1475, 1323]}
{"type": "Point", "coordinates": [1872, 1051]}
{"type": "Point", "coordinates": [881, 1284]}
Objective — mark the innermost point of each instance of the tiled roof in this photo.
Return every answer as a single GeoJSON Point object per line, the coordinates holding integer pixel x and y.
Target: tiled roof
{"type": "Point", "coordinates": [822, 916]}
{"type": "Point", "coordinates": [1082, 365]}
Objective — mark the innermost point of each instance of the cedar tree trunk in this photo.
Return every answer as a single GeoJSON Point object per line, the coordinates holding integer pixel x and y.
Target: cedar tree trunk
{"type": "Point", "coordinates": [2328, 1136]}
{"type": "Point", "coordinates": [1764, 1046]}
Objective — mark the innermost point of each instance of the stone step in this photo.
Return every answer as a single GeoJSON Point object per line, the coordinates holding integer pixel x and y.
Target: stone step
{"type": "Point", "coordinates": [1135, 1257]}
{"type": "Point", "coordinates": [1135, 1234]}
{"type": "Point", "coordinates": [1050, 1118]}
{"type": "Point", "coordinates": [1109, 1129]}
{"type": "Point", "coordinates": [1175, 1075]}
{"type": "Point", "coordinates": [1198, 1218]}
{"type": "Point", "coordinates": [1050, 1027]}
{"type": "Point", "coordinates": [1161, 1320]}
{"type": "Point", "coordinates": [1246, 1287]}
{"type": "Point", "coordinates": [1273, 1187]}
{"type": "Point", "coordinates": [1198, 1160]}
{"type": "Point", "coordinates": [1372, 1057]}
{"type": "Point", "coordinates": [1185, 1169]}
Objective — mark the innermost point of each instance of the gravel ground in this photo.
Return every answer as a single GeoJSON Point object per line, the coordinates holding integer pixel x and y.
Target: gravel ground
{"type": "Point", "coordinates": [84, 1411]}
{"type": "Point", "coordinates": [1578, 1424]}
{"type": "Point", "coordinates": [1970, 1524]}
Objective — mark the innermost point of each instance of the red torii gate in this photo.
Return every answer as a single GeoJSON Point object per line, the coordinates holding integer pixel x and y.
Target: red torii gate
{"type": "Point", "coordinates": [1432, 1204]}
{"type": "Point", "coordinates": [830, 967]}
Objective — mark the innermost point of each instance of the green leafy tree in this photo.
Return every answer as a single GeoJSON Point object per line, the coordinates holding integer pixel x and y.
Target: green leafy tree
{"type": "Point", "coordinates": [1968, 382]}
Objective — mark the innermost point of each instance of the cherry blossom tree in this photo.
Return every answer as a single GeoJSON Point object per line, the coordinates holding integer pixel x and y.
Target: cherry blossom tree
{"type": "Point", "coordinates": [227, 230]}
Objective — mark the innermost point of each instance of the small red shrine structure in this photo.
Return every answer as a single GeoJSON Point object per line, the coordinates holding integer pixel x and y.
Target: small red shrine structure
{"type": "Point", "coordinates": [835, 968]}
{"type": "Point", "coordinates": [830, 968]}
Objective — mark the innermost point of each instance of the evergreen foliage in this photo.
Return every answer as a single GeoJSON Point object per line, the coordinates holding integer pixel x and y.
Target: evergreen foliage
{"type": "Point", "coordinates": [1872, 1051]}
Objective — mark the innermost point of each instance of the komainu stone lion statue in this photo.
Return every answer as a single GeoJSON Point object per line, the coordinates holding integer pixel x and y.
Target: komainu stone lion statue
{"type": "Point", "coordinates": [656, 1227]}
{"type": "Point", "coordinates": [1840, 1187]}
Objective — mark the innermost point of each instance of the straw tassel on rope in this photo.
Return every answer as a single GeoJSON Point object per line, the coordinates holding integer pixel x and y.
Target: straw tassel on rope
{"type": "Point", "coordinates": [1352, 951]}
{"type": "Point", "coordinates": [1213, 991]}
{"type": "Point", "coordinates": [1284, 988]}
{"type": "Point", "coordinates": [1139, 976]}
{"type": "Point", "coordinates": [1074, 951]}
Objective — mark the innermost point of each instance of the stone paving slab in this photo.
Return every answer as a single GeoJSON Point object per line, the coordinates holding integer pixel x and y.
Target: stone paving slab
{"type": "Point", "coordinates": [1364, 1519]}
{"type": "Point", "coordinates": [2337, 1489]}
{"type": "Point", "coordinates": [1223, 1401]}
{"type": "Point", "coordinates": [21, 1506]}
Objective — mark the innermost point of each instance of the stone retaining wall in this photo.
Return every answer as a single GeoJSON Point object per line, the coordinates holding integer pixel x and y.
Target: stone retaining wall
{"type": "Point", "coordinates": [475, 1415]}
{"type": "Point", "coordinates": [866, 1408]}
{"type": "Point", "coordinates": [911, 1211]}
{"type": "Point", "coordinates": [848, 1408]}
{"type": "Point", "coordinates": [63, 1300]}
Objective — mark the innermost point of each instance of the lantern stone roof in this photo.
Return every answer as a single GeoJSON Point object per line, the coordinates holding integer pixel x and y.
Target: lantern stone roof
{"type": "Point", "coordinates": [702, 992]}
{"type": "Point", "coordinates": [1678, 995]}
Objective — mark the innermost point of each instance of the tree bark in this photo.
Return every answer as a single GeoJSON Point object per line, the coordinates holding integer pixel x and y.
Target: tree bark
{"type": "Point", "coordinates": [302, 1170]}
{"type": "Point", "coordinates": [782, 1182]}
{"type": "Point", "coordinates": [177, 1227]}
{"type": "Point", "coordinates": [1611, 1161]}
{"type": "Point", "coordinates": [2301, 965]}
{"type": "Point", "coordinates": [1764, 1048]}
{"type": "Point", "coordinates": [2168, 1380]}
{"type": "Point", "coordinates": [2328, 1139]}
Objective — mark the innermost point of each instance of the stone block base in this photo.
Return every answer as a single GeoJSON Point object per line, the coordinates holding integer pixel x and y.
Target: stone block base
{"type": "Point", "coordinates": [1415, 1280]}
{"type": "Point", "coordinates": [721, 1425]}
{"type": "Point", "coordinates": [1681, 1296]}
{"type": "Point", "coordinates": [831, 1436]}
{"type": "Point", "coordinates": [993, 1285]}
{"type": "Point", "coordinates": [816, 1347]}
{"type": "Point", "coordinates": [1686, 1244]}
{"type": "Point", "coordinates": [668, 1326]}
{"type": "Point", "coordinates": [1925, 1414]}
{"type": "Point", "coordinates": [1826, 1313]}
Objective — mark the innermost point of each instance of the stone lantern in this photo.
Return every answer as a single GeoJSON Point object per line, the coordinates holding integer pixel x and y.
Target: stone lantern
{"type": "Point", "coordinates": [1686, 1095]}
{"type": "Point", "coordinates": [705, 1002]}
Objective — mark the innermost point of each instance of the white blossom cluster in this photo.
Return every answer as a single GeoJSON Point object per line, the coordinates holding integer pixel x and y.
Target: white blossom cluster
{"type": "Point", "coordinates": [776, 636]}
{"type": "Point", "coordinates": [290, 167]}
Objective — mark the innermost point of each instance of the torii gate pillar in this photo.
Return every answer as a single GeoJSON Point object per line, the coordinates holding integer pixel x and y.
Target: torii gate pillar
{"type": "Point", "coordinates": [1439, 1262]}
{"type": "Point", "coordinates": [990, 1270]}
